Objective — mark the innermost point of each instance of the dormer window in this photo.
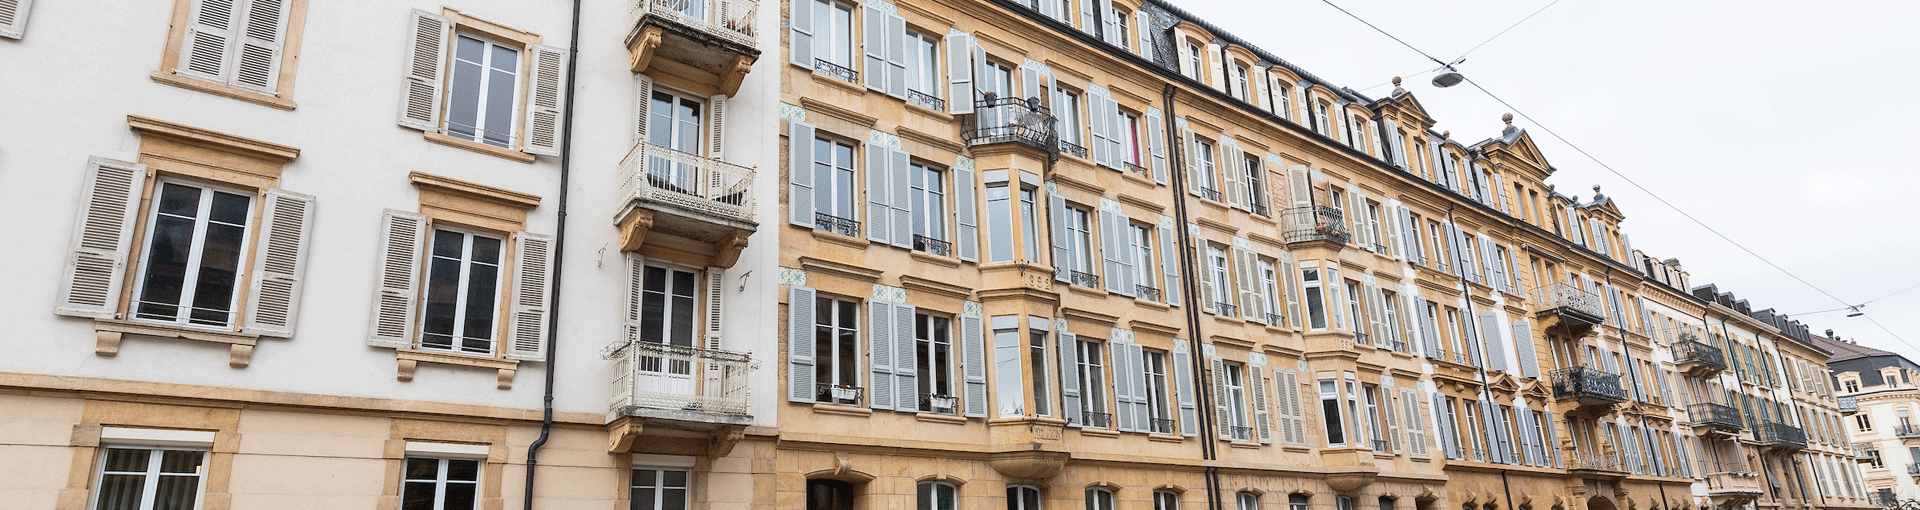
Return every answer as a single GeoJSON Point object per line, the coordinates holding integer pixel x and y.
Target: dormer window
{"type": "Point", "coordinates": [1240, 87]}
{"type": "Point", "coordinates": [1194, 67]}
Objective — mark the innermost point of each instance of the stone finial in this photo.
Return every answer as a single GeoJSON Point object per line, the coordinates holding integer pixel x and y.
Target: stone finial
{"type": "Point", "coordinates": [1507, 118]}
{"type": "Point", "coordinates": [1396, 86]}
{"type": "Point", "coordinates": [1446, 135]}
{"type": "Point", "coordinates": [1596, 189]}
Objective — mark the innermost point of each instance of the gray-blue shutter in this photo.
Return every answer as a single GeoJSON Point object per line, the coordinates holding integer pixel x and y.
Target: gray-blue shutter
{"type": "Point", "coordinates": [800, 328]}
{"type": "Point", "coordinates": [1069, 348]}
{"type": "Point", "coordinates": [800, 183]}
{"type": "Point", "coordinates": [1183, 391]}
{"type": "Point", "coordinates": [906, 384]}
{"type": "Point", "coordinates": [800, 45]}
{"type": "Point", "coordinates": [880, 360]}
{"type": "Point", "coordinates": [1523, 345]}
{"type": "Point", "coordinates": [1057, 224]}
{"type": "Point", "coordinates": [1496, 346]}
{"type": "Point", "coordinates": [879, 172]}
{"type": "Point", "coordinates": [1169, 262]}
{"type": "Point", "coordinates": [973, 350]}
{"type": "Point", "coordinates": [966, 230]}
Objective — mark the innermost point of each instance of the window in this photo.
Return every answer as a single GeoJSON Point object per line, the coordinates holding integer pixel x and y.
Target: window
{"type": "Point", "coordinates": [1851, 385]}
{"type": "Point", "coordinates": [1247, 501]}
{"type": "Point", "coordinates": [463, 284]}
{"type": "Point", "coordinates": [836, 351]}
{"type": "Point", "coordinates": [1235, 380]}
{"type": "Point", "coordinates": [1066, 111]}
{"type": "Point", "coordinates": [1037, 368]}
{"type": "Point", "coordinates": [1441, 252]}
{"type": "Point", "coordinates": [1372, 395]}
{"type": "Point", "coordinates": [481, 89]}
{"type": "Point", "coordinates": [674, 122]}
{"type": "Point", "coordinates": [923, 71]}
{"type": "Point", "coordinates": [929, 203]}
{"type": "Point", "coordinates": [1140, 241]}
{"type": "Point", "coordinates": [1240, 88]}
{"type": "Point", "coordinates": [1166, 500]}
{"type": "Point", "coordinates": [1330, 412]}
{"type": "Point", "coordinates": [1119, 35]}
{"type": "Point", "coordinates": [1023, 497]}
{"type": "Point", "coordinates": [440, 484]}
{"type": "Point", "coordinates": [1203, 154]}
{"type": "Point", "coordinates": [1093, 381]}
{"type": "Point", "coordinates": [1353, 308]}
{"type": "Point", "coordinates": [1357, 132]}
{"type": "Point", "coordinates": [1372, 224]}
{"type": "Point", "coordinates": [999, 224]}
{"type": "Point", "coordinates": [1099, 498]}
{"type": "Point", "coordinates": [937, 496]}
{"type": "Point", "coordinates": [1256, 198]}
{"type": "Point", "coordinates": [232, 44]}
{"type": "Point", "coordinates": [1321, 120]}
{"type": "Point", "coordinates": [1283, 100]}
{"type": "Point", "coordinates": [933, 344]}
{"type": "Point", "coordinates": [833, 187]}
{"type": "Point", "coordinates": [1079, 245]}
{"type": "Point", "coordinates": [1270, 292]}
{"type": "Point", "coordinates": [1157, 414]}
{"type": "Point", "coordinates": [1353, 409]}
{"type": "Point", "coordinates": [146, 478]}
{"type": "Point", "coordinates": [1130, 139]}
{"type": "Point", "coordinates": [1029, 224]}
{"type": "Point", "coordinates": [667, 313]}
{"type": "Point", "coordinates": [196, 241]}
{"type": "Point", "coordinates": [659, 489]}
{"type": "Point", "coordinates": [1391, 321]}
{"type": "Point", "coordinates": [1195, 69]}
{"type": "Point", "coordinates": [833, 37]}
{"type": "Point", "coordinates": [1316, 307]}
{"type": "Point", "coordinates": [1222, 286]}
{"type": "Point", "coordinates": [998, 83]}
{"type": "Point", "coordinates": [1473, 430]}
{"type": "Point", "coordinates": [1459, 336]}
{"type": "Point", "coordinates": [829, 495]}
{"type": "Point", "coordinates": [1296, 502]}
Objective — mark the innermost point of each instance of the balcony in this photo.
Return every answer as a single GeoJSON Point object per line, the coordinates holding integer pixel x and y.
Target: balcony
{"type": "Point", "coordinates": [1589, 386]}
{"type": "Point", "coordinates": [1906, 430]}
{"type": "Point", "coordinates": [1714, 418]}
{"type": "Point", "coordinates": [702, 199]}
{"type": "Point", "coordinates": [1595, 463]}
{"type": "Point", "coordinates": [1913, 469]}
{"type": "Point", "coordinates": [1314, 223]}
{"type": "Point", "coordinates": [1733, 489]}
{"type": "Point", "coordinates": [1569, 303]}
{"type": "Point", "coordinates": [1849, 405]}
{"type": "Point", "coordinates": [998, 120]}
{"type": "Point", "coordinates": [1782, 436]}
{"type": "Point", "coordinates": [1079, 278]}
{"type": "Point", "coordinates": [1698, 359]}
{"type": "Point", "coordinates": [715, 38]}
{"type": "Point", "coordinates": [1865, 450]}
{"type": "Point", "coordinates": [686, 387]}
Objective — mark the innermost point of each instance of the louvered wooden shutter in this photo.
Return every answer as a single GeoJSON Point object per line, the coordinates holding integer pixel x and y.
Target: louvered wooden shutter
{"type": "Point", "coordinates": [1113, 250]}
{"type": "Point", "coordinates": [873, 42]}
{"type": "Point", "coordinates": [102, 235]}
{"type": "Point", "coordinates": [1443, 415]}
{"type": "Point", "coordinates": [1523, 345]}
{"type": "Point", "coordinates": [208, 39]}
{"type": "Point", "coordinates": [1553, 441]}
{"type": "Point", "coordinates": [1221, 407]}
{"type": "Point", "coordinates": [973, 351]}
{"type": "Point", "coordinates": [403, 240]}
{"type": "Point", "coordinates": [1395, 436]}
{"type": "Point", "coordinates": [1057, 224]}
{"type": "Point", "coordinates": [716, 130]}
{"type": "Point", "coordinates": [1143, 25]}
{"type": "Point", "coordinates": [1429, 341]}
{"type": "Point", "coordinates": [260, 38]}
{"type": "Point", "coordinates": [1137, 371]}
{"type": "Point", "coordinates": [1069, 349]}
{"type": "Point", "coordinates": [716, 287]}
{"type": "Point", "coordinates": [966, 221]}
{"type": "Point", "coordinates": [1192, 151]}
{"type": "Point", "coordinates": [1291, 287]}
{"type": "Point", "coordinates": [1262, 418]}
{"type": "Point", "coordinates": [13, 18]}
{"type": "Point", "coordinates": [544, 100]}
{"type": "Point", "coordinates": [279, 264]}
{"type": "Point", "coordinates": [1183, 391]}
{"type": "Point", "coordinates": [1233, 170]}
{"type": "Point", "coordinates": [880, 354]}
{"type": "Point", "coordinates": [1416, 421]}
{"type": "Point", "coordinates": [900, 199]}
{"type": "Point", "coordinates": [1357, 219]}
{"type": "Point", "coordinates": [906, 385]}
{"type": "Point", "coordinates": [896, 55]}
{"type": "Point", "coordinates": [800, 330]}
{"type": "Point", "coordinates": [1243, 279]}
{"type": "Point", "coordinates": [800, 206]}
{"type": "Point", "coordinates": [1205, 268]}
{"type": "Point", "coordinates": [426, 65]}
{"type": "Point", "coordinates": [1213, 73]}
{"type": "Point", "coordinates": [1170, 262]}
{"type": "Point", "coordinates": [1377, 313]}
{"type": "Point", "coordinates": [1293, 423]}
{"type": "Point", "coordinates": [1123, 387]}
{"type": "Point", "coordinates": [879, 194]}
{"type": "Point", "coordinates": [642, 101]}
{"type": "Point", "coordinates": [532, 277]}
{"type": "Point", "coordinates": [800, 42]}
{"type": "Point", "coordinates": [959, 73]}
{"type": "Point", "coordinates": [1156, 142]}
{"type": "Point", "coordinates": [1097, 126]}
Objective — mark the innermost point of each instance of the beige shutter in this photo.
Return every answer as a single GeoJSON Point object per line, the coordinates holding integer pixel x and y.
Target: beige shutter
{"type": "Point", "coordinates": [1416, 422]}
{"type": "Point", "coordinates": [1233, 170]}
{"type": "Point", "coordinates": [1293, 423]}
{"type": "Point", "coordinates": [209, 34]}
{"type": "Point", "coordinates": [532, 277]}
{"type": "Point", "coordinates": [260, 38]}
{"type": "Point", "coordinates": [279, 263]}
{"type": "Point", "coordinates": [1262, 417]}
{"type": "Point", "coordinates": [1201, 253]}
{"type": "Point", "coordinates": [1289, 285]}
{"type": "Point", "coordinates": [13, 18]}
{"type": "Point", "coordinates": [102, 232]}
{"type": "Point", "coordinates": [1212, 61]}
{"type": "Point", "coordinates": [403, 238]}
{"type": "Point", "coordinates": [426, 65]}
{"type": "Point", "coordinates": [1220, 405]}
{"type": "Point", "coordinates": [1243, 280]}
{"type": "Point", "coordinates": [1188, 147]}
{"type": "Point", "coordinates": [544, 99]}
{"type": "Point", "coordinates": [1392, 417]}
{"type": "Point", "coordinates": [1299, 185]}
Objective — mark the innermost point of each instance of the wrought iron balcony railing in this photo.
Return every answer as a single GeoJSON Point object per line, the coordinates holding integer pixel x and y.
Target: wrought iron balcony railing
{"type": "Point", "coordinates": [1080, 278]}
{"type": "Point", "coordinates": [1379, 445]}
{"type": "Point", "coordinates": [706, 186]}
{"type": "Point", "coordinates": [1593, 461]}
{"type": "Point", "coordinates": [836, 70]}
{"type": "Point", "coordinates": [1913, 469]}
{"type": "Point", "coordinates": [1146, 292]}
{"type": "Point", "coordinates": [1316, 223]}
{"type": "Point", "coordinates": [1276, 320]}
{"type": "Point", "coordinates": [1136, 168]}
{"type": "Point", "coordinates": [680, 378]}
{"type": "Point", "coordinates": [1263, 210]}
{"type": "Point", "coordinates": [1462, 357]}
{"type": "Point", "coordinates": [1096, 420]}
{"type": "Point", "coordinates": [1693, 351]}
{"type": "Point", "coordinates": [1782, 435]}
{"type": "Point", "coordinates": [937, 403]}
{"type": "Point", "coordinates": [1736, 481]}
{"type": "Point", "coordinates": [1012, 119]}
{"type": "Point", "coordinates": [1208, 193]}
{"type": "Point", "coordinates": [1863, 450]}
{"type": "Point", "coordinates": [1362, 339]}
{"type": "Point", "coordinates": [836, 224]}
{"type": "Point", "coordinates": [1241, 433]}
{"type": "Point", "coordinates": [1590, 385]}
{"type": "Point", "coordinates": [1717, 415]}
{"type": "Point", "coordinates": [1849, 405]}
{"type": "Point", "coordinates": [1161, 425]}
{"type": "Point", "coordinates": [1073, 149]}
{"type": "Point", "coordinates": [1569, 300]}
{"type": "Point", "coordinates": [931, 245]}
{"type": "Point", "coordinates": [930, 101]}
{"type": "Point", "coordinates": [1227, 309]}
{"type": "Point", "coordinates": [1906, 430]}
{"type": "Point", "coordinates": [826, 393]}
{"type": "Point", "coordinates": [727, 19]}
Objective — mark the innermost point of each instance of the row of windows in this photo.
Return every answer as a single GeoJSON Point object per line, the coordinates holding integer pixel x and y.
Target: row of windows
{"type": "Point", "coordinates": [937, 495]}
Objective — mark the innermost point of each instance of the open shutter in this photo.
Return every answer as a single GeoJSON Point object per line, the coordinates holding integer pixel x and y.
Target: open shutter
{"type": "Point", "coordinates": [1097, 123]}
{"type": "Point", "coordinates": [1141, 24]}
{"type": "Point", "coordinates": [717, 129]}
{"type": "Point", "coordinates": [800, 44]}
{"type": "Point", "coordinates": [800, 207]}
{"type": "Point", "coordinates": [1069, 347]}
{"type": "Point", "coordinates": [1129, 257]}
{"type": "Point", "coordinates": [642, 101]}
{"type": "Point", "coordinates": [879, 194]}
{"type": "Point", "coordinates": [1212, 61]}
{"type": "Point", "coordinates": [1490, 426]}
{"type": "Point", "coordinates": [1371, 298]}
{"type": "Point", "coordinates": [1390, 225]}
{"type": "Point", "coordinates": [1429, 342]}
{"type": "Point", "coordinates": [1409, 317]}
{"type": "Point", "coordinates": [279, 264]}
{"type": "Point", "coordinates": [1521, 417]}
{"type": "Point", "coordinates": [1410, 236]}
{"type": "Point", "coordinates": [1416, 421]}
{"type": "Point", "coordinates": [1113, 251]}
{"type": "Point", "coordinates": [966, 223]}
{"type": "Point", "coordinates": [896, 55]}
{"type": "Point", "coordinates": [1123, 388]}
{"type": "Point", "coordinates": [973, 349]}
{"type": "Point", "coordinates": [1156, 141]}
{"type": "Point", "coordinates": [1233, 170]}
{"type": "Point", "coordinates": [102, 235]}
{"type": "Point", "coordinates": [546, 96]}
{"type": "Point", "coordinates": [716, 287]}
{"type": "Point", "coordinates": [1262, 418]}
{"type": "Point", "coordinates": [1205, 268]}
{"type": "Point", "coordinates": [426, 64]}
{"type": "Point", "coordinates": [1523, 345]}
{"type": "Point", "coordinates": [1188, 148]}
{"type": "Point", "coordinates": [1243, 264]}
{"type": "Point", "coordinates": [900, 184]}
{"type": "Point", "coordinates": [1396, 436]}
{"type": "Point", "coordinates": [532, 276]}
{"type": "Point", "coordinates": [403, 239]}
{"type": "Point", "coordinates": [1291, 287]}
{"type": "Point", "coordinates": [208, 39]}
{"type": "Point", "coordinates": [1553, 442]}
{"type": "Point", "coordinates": [1444, 417]}
{"type": "Point", "coordinates": [800, 331]}
{"type": "Point", "coordinates": [873, 43]}
{"type": "Point", "coordinates": [1221, 409]}
{"type": "Point", "coordinates": [260, 39]}
{"type": "Point", "coordinates": [1496, 347]}
{"type": "Point", "coordinates": [13, 18]}
{"type": "Point", "coordinates": [1357, 219]}
{"type": "Point", "coordinates": [906, 385]}
{"type": "Point", "coordinates": [1169, 262]}
{"type": "Point", "coordinates": [1057, 214]}
{"type": "Point", "coordinates": [959, 73]}
{"type": "Point", "coordinates": [1137, 372]}
{"type": "Point", "coordinates": [1183, 390]}
{"type": "Point", "coordinates": [880, 354]}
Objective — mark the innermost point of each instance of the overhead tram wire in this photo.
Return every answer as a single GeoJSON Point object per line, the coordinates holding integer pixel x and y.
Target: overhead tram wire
{"type": "Point", "coordinates": [1510, 28]}
{"type": "Point", "coordinates": [1610, 169]}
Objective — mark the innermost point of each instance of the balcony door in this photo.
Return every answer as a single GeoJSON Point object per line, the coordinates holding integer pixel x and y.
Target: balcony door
{"type": "Point", "coordinates": [997, 83]}
{"type": "Point", "coordinates": [673, 122]}
{"type": "Point", "coordinates": [667, 315]}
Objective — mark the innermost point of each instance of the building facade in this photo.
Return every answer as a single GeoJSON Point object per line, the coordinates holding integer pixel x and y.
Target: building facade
{"type": "Point", "coordinates": [1879, 396]}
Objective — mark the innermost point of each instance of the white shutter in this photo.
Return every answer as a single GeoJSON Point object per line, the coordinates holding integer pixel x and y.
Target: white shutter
{"type": "Point", "coordinates": [906, 386]}
{"type": "Point", "coordinates": [1376, 312]}
{"type": "Point", "coordinates": [1069, 348]}
{"type": "Point", "coordinates": [800, 331]}
{"type": "Point", "coordinates": [1292, 420]}
{"type": "Point", "coordinates": [1144, 26]}
{"type": "Point", "coordinates": [1233, 167]}
{"type": "Point", "coordinates": [959, 73]}
{"type": "Point", "coordinates": [1416, 422]}
{"type": "Point", "coordinates": [1087, 23]}
{"type": "Point", "coordinates": [1262, 419]}
{"type": "Point", "coordinates": [102, 235]}
{"type": "Point", "coordinates": [279, 263]}
{"type": "Point", "coordinates": [1057, 224]}
{"type": "Point", "coordinates": [1500, 195]}
{"type": "Point", "coordinates": [544, 98]}
{"type": "Point", "coordinates": [1123, 387]}
{"type": "Point", "coordinates": [1169, 262]}
{"type": "Point", "coordinates": [260, 38]}
{"type": "Point", "coordinates": [1113, 249]}
{"type": "Point", "coordinates": [1242, 278]}
{"type": "Point", "coordinates": [1110, 24]}
{"type": "Point", "coordinates": [13, 18]}
{"type": "Point", "coordinates": [800, 45]}
{"type": "Point", "coordinates": [209, 39]}
{"type": "Point", "coordinates": [1188, 148]}
{"type": "Point", "coordinates": [1212, 61]}
{"type": "Point", "coordinates": [800, 207]}
{"type": "Point", "coordinates": [899, 175]}
{"type": "Point", "coordinates": [1183, 390]}
{"type": "Point", "coordinates": [1204, 266]}
{"type": "Point", "coordinates": [1390, 223]}
{"type": "Point", "coordinates": [642, 101]}
{"type": "Point", "coordinates": [896, 55]}
{"type": "Point", "coordinates": [1392, 417]}
{"type": "Point", "coordinates": [1157, 144]}
{"type": "Point", "coordinates": [880, 354]}
{"type": "Point", "coordinates": [873, 42]}
{"type": "Point", "coordinates": [716, 131]}
{"type": "Point", "coordinates": [403, 240]}
{"type": "Point", "coordinates": [1221, 407]}
{"type": "Point", "coordinates": [1357, 219]}
{"type": "Point", "coordinates": [426, 65]}
{"type": "Point", "coordinates": [1137, 371]}
{"type": "Point", "coordinates": [1129, 258]}
{"type": "Point", "coordinates": [966, 227]}
{"type": "Point", "coordinates": [879, 194]}
{"type": "Point", "coordinates": [532, 277]}
{"type": "Point", "coordinates": [716, 287]}
{"type": "Point", "coordinates": [1291, 288]}
{"type": "Point", "coordinates": [973, 351]}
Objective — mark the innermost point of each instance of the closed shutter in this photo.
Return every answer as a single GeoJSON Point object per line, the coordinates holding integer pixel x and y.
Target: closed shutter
{"type": "Point", "coordinates": [1113, 249]}
{"type": "Point", "coordinates": [800, 331]}
{"type": "Point", "coordinates": [1069, 347]}
{"type": "Point", "coordinates": [13, 18]}
{"type": "Point", "coordinates": [261, 33]}
{"type": "Point", "coordinates": [966, 222]}
{"type": "Point", "coordinates": [1293, 423]}
{"type": "Point", "coordinates": [1496, 346]}
{"type": "Point", "coordinates": [1183, 390]}
{"type": "Point", "coordinates": [1262, 419]}
{"type": "Point", "coordinates": [896, 55]}
{"type": "Point", "coordinates": [880, 354]}
{"type": "Point", "coordinates": [1523, 345]}
{"type": "Point", "coordinates": [102, 235]}
{"type": "Point", "coordinates": [426, 64]}
{"type": "Point", "coordinates": [800, 206]}
{"type": "Point", "coordinates": [959, 73]}
{"type": "Point", "coordinates": [800, 27]}
{"type": "Point", "coordinates": [906, 385]}
{"type": "Point", "coordinates": [1169, 262]}
{"type": "Point", "coordinates": [1291, 287]}
{"type": "Point", "coordinates": [1415, 421]}
{"type": "Point", "coordinates": [1156, 142]}
{"type": "Point", "coordinates": [899, 181]}
{"type": "Point", "coordinates": [1057, 214]}
{"type": "Point", "coordinates": [205, 49]}
{"type": "Point", "coordinates": [403, 238]}
{"type": "Point", "coordinates": [546, 96]}
{"type": "Point", "coordinates": [879, 194]}
{"type": "Point", "coordinates": [1221, 409]}
{"type": "Point", "coordinates": [873, 43]}
{"type": "Point", "coordinates": [532, 276]}
{"type": "Point", "coordinates": [1357, 219]}
{"type": "Point", "coordinates": [279, 264]}
{"type": "Point", "coordinates": [973, 351]}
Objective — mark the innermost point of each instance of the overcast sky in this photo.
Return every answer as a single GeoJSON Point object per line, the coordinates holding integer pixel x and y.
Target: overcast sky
{"type": "Point", "coordinates": [1754, 117]}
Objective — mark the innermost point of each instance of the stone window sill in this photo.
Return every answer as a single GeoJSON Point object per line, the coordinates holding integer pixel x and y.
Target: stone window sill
{"type": "Point", "coordinates": [409, 359]}
{"type": "Point", "coordinates": [108, 333]}
{"type": "Point", "coordinates": [474, 146]}
{"type": "Point", "coordinates": [263, 99]}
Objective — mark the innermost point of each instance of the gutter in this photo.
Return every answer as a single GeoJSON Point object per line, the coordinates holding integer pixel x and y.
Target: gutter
{"type": "Point", "coordinates": [1202, 401]}
{"type": "Point", "coordinates": [559, 256]}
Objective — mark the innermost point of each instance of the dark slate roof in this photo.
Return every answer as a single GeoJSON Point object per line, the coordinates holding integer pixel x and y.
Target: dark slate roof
{"type": "Point", "coordinates": [1843, 351]}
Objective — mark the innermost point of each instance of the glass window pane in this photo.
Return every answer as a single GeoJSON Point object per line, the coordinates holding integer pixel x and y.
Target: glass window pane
{"type": "Point", "coordinates": [417, 496]}
{"type": "Point", "coordinates": [179, 200]}
{"type": "Point", "coordinates": [170, 243]}
{"type": "Point", "coordinates": [673, 479]}
{"type": "Point", "coordinates": [176, 492]}
{"type": "Point", "coordinates": [486, 250]}
{"type": "Point", "coordinates": [463, 470]}
{"type": "Point", "coordinates": [460, 496]}
{"type": "Point", "coordinates": [127, 460]}
{"type": "Point", "coordinates": [181, 461]}
{"type": "Point", "coordinates": [121, 492]}
{"type": "Point", "coordinates": [482, 287]}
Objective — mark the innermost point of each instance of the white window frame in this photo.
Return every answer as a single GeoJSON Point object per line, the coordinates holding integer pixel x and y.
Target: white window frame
{"type": "Point", "coordinates": [1222, 282]}
{"type": "Point", "coordinates": [1140, 240]}
{"type": "Point", "coordinates": [1312, 293]}
{"type": "Point", "coordinates": [440, 480]}
{"type": "Point", "coordinates": [1242, 90]}
{"type": "Point", "coordinates": [660, 487]}
{"type": "Point", "coordinates": [1391, 316]}
{"type": "Point", "coordinates": [189, 283]}
{"type": "Point", "coordinates": [923, 64]}
{"type": "Point", "coordinates": [834, 336]}
{"type": "Point", "coordinates": [1017, 498]}
{"type": "Point", "coordinates": [459, 334]}
{"type": "Point", "coordinates": [827, 33]}
{"type": "Point", "coordinates": [150, 477]}
{"type": "Point", "coordinates": [693, 315]}
{"type": "Point", "coordinates": [1157, 390]}
{"type": "Point", "coordinates": [929, 190]}
{"type": "Point", "coordinates": [486, 86]}
{"type": "Point", "coordinates": [999, 224]}
{"type": "Point", "coordinates": [1080, 240]}
{"type": "Point", "coordinates": [1092, 375]}
{"type": "Point", "coordinates": [1330, 421]}
{"type": "Point", "coordinates": [1166, 500]}
{"type": "Point", "coordinates": [1235, 381]}
{"type": "Point", "coordinates": [1037, 372]}
{"type": "Point", "coordinates": [1066, 112]}
{"type": "Point", "coordinates": [1371, 394]}
{"type": "Point", "coordinates": [1197, 60]}
{"type": "Point", "coordinates": [1354, 320]}
{"type": "Point", "coordinates": [941, 495]}
{"type": "Point", "coordinates": [932, 373]}
{"type": "Point", "coordinates": [833, 185]}
{"type": "Point", "coordinates": [1270, 288]}
{"type": "Point", "coordinates": [1130, 145]}
{"type": "Point", "coordinates": [1203, 154]}
{"type": "Point", "coordinates": [1255, 181]}
{"type": "Point", "coordinates": [1030, 223]}
{"type": "Point", "coordinates": [1099, 498]}
{"type": "Point", "coordinates": [676, 127]}
{"type": "Point", "coordinates": [1247, 500]}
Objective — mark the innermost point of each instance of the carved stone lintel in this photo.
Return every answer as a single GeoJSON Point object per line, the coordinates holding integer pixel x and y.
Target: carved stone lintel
{"type": "Point", "coordinates": [721, 441]}
{"type": "Point", "coordinates": [405, 372]}
{"type": "Point", "coordinates": [504, 379]}
{"type": "Point", "coordinates": [620, 436]}
{"type": "Point", "coordinates": [726, 251]}
{"type": "Point", "coordinates": [1426, 495]}
{"type": "Point", "coordinates": [633, 230]}
{"type": "Point", "coordinates": [106, 343]}
{"type": "Point", "coordinates": [641, 49]}
{"type": "Point", "coordinates": [734, 72]}
{"type": "Point", "coordinates": [239, 355]}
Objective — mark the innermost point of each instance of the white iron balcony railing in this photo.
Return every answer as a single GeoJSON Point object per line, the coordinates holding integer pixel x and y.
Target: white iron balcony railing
{"type": "Point", "coordinates": [683, 379]}
{"type": "Point", "coordinates": [659, 175]}
{"type": "Point", "coordinates": [728, 19]}
{"type": "Point", "coordinates": [1564, 297]}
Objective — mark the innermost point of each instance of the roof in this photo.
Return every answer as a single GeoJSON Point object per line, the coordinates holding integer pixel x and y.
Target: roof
{"type": "Point", "coordinates": [1843, 351]}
